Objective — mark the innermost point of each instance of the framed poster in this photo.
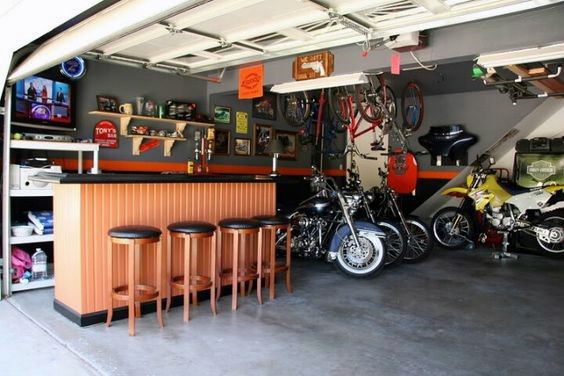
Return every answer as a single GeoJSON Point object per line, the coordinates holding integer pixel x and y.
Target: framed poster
{"type": "Point", "coordinates": [221, 142]}
{"type": "Point", "coordinates": [105, 103]}
{"type": "Point", "coordinates": [222, 114]}
{"type": "Point", "coordinates": [242, 122]}
{"type": "Point", "coordinates": [262, 139]}
{"type": "Point", "coordinates": [265, 107]}
{"type": "Point", "coordinates": [289, 143]}
{"type": "Point", "coordinates": [242, 146]}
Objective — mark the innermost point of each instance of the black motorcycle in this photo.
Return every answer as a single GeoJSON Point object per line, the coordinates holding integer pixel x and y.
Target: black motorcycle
{"type": "Point", "coordinates": [323, 227]}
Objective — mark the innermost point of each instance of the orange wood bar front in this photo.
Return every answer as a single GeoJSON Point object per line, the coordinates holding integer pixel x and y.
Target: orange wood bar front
{"type": "Point", "coordinates": [83, 213]}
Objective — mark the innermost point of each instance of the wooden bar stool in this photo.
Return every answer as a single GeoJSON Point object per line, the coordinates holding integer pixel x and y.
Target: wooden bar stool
{"type": "Point", "coordinates": [239, 228]}
{"type": "Point", "coordinates": [271, 224]}
{"type": "Point", "coordinates": [134, 293]}
{"type": "Point", "coordinates": [188, 283]}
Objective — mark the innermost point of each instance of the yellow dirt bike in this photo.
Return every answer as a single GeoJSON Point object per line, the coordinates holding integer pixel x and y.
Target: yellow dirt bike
{"type": "Point", "coordinates": [537, 211]}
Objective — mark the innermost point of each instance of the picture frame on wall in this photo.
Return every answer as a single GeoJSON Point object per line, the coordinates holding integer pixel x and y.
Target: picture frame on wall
{"type": "Point", "coordinates": [221, 142]}
{"type": "Point", "coordinates": [265, 107]}
{"type": "Point", "coordinates": [288, 141]}
{"type": "Point", "coordinates": [106, 103]}
{"type": "Point", "coordinates": [262, 139]}
{"type": "Point", "coordinates": [242, 147]}
{"type": "Point", "coordinates": [222, 114]}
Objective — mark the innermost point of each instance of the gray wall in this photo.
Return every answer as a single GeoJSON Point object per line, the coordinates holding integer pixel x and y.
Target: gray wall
{"type": "Point", "coordinates": [230, 100]}
{"type": "Point", "coordinates": [486, 114]}
{"type": "Point", "coordinates": [126, 83]}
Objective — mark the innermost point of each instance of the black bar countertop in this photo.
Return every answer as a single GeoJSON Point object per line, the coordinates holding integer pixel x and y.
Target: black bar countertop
{"type": "Point", "coordinates": [109, 178]}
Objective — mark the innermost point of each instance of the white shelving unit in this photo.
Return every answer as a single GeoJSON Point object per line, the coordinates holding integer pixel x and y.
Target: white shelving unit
{"type": "Point", "coordinates": [8, 194]}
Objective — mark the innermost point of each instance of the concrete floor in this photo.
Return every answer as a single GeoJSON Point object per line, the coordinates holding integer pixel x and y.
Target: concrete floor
{"type": "Point", "coordinates": [458, 313]}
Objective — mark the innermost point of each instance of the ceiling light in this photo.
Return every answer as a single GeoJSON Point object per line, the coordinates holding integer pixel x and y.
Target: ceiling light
{"type": "Point", "coordinates": [321, 83]}
{"type": "Point", "coordinates": [529, 55]}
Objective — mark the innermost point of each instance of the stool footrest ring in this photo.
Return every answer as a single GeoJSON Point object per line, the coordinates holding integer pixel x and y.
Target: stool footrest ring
{"type": "Point", "coordinates": [142, 293]}
{"type": "Point", "coordinates": [197, 282]}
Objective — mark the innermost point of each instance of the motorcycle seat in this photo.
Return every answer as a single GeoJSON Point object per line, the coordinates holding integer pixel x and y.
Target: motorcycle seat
{"type": "Point", "coordinates": [448, 141]}
{"type": "Point", "coordinates": [514, 189]}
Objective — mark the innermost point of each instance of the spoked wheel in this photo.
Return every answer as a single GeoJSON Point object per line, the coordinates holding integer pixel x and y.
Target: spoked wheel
{"type": "Point", "coordinates": [295, 107]}
{"type": "Point", "coordinates": [396, 241]}
{"type": "Point", "coordinates": [388, 99]}
{"type": "Point", "coordinates": [451, 229]}
{"type": "Point", "coordinates": [365, 262]}
{"type": "Point", "coordinates": [419, 242]}
{"type": "Point", "coordinates": [368, 101]}
{"type": "Point", "coordinates": [341, 103]}
{"type": "Point", "coordinates": [412, 108]}
{"type": "Point", "coordinates": [553, 241]}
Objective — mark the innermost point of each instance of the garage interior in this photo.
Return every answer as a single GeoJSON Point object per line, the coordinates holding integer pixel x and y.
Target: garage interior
{"type": "Point", "coordinates": [457, 312]}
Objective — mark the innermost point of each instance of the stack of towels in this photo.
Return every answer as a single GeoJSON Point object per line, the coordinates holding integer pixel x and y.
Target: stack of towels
{"type": "Point", "coordinates": [42, 221]}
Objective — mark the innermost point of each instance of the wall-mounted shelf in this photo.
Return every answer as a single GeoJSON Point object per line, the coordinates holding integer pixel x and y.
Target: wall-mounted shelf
{"type": "Point", "coordinates": [124, 121]}
{"type": "Point", "coordinates": [137, 140]}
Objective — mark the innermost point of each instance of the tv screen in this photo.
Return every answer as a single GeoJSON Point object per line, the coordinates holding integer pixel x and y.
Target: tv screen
{"type": "Point", "coordinates": [43, 102]}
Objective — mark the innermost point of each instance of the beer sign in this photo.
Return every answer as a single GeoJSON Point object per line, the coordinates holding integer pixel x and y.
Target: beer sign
{"type": "Point", "coordinates": [105, 134]}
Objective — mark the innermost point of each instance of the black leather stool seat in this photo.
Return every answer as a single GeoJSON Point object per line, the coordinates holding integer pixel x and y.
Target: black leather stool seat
{"type": "Point", "coordinates": [134, 232]}
{"type": "Point", "coordinates": [271, 220]}
{"type": "Point", "coordinates": [239, 223]}
{"type": "Point", "coordinates": [191, 227]}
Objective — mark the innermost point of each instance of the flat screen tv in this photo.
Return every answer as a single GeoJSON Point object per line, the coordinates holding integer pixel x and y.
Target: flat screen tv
{"type": "Point", "coordinates": [44, 102]}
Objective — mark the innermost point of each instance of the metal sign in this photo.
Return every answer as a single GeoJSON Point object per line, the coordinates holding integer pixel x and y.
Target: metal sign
{"type": "Point", "coordinates": [105, 134]}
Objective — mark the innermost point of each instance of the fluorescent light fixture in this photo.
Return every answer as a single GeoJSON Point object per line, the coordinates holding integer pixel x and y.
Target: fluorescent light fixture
{"type": "Point", "coordinates": [524, 56]}
{"type": "Point", "coordinates": [320, 83]}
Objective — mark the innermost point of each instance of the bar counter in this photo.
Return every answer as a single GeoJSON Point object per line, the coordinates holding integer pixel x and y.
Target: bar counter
{"type": "Point", "coordinates": [86, 206]}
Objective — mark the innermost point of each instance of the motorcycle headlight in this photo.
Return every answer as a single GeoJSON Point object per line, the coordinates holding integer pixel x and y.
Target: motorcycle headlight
{"type": "Point", "coordinates": [370, 197]}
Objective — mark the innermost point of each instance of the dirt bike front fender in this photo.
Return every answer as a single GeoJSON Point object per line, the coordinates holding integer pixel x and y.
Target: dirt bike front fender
{"type": "Point", "coordinates": [455, 192]}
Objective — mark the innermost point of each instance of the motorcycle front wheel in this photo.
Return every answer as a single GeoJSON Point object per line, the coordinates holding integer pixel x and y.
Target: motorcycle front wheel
{"type": "Point", "coordinates": [396, 241]}
{"type": "Point", "coordinates": [447, 234]}
{"type": "Point", "coordinates": [554, 243]}
{"type": "Point", "coordinates": [365, 262]}
{"type": "Point", "coordinates": [419, 241]}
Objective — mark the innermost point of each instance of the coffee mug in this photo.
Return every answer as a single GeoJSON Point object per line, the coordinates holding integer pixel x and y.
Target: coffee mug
{"type": "Point", "coordinates": [126, 108]}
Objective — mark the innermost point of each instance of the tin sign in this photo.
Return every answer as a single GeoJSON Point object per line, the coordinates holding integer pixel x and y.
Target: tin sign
{"type": "Point", "coordinates": [105, 134]}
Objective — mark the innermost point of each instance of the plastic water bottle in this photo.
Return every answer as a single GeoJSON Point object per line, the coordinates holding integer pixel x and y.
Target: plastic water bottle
{"type": "Point", "coordinates": [39, 265]}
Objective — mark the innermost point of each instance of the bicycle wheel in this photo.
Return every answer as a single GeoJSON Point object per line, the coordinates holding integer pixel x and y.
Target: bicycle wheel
{"type": "Point", "coordinates": [412, 108]}
{"type": "Point", "coordinates": [388, 99]}
{"type": "Point", "coordinates": [340, 105]}
{"type": "Point", "coordinates": [370, 98]}
{"type": "Point", "coordinates": [295, 107]}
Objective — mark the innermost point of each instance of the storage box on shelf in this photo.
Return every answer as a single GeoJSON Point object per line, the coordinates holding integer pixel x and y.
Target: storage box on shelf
{"type": "Point", "coordinates": [37, 284]}
{"type": "Point", "coordinates": [125, 119]}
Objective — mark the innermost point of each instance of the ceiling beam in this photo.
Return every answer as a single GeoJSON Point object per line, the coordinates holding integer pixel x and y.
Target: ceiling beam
{"type": "Point", "coordinates": [433, 6]}
{"type": "Point", "coordinates": [553, 85]}
{"type": "Point", "coordinates": [296, 34]}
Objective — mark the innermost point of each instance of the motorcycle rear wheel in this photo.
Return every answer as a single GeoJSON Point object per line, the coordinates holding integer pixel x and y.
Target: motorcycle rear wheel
{"type": "Point", "coordinates": [364, 263]}
{"type": "Point", "coordinates": [419, 241]}
{"type": "Point", "coordinates": [396, 241]}
{"type": "Point", "coordinates": [442, 224]}
{"type": "Point", "coordinates": [553, 220]}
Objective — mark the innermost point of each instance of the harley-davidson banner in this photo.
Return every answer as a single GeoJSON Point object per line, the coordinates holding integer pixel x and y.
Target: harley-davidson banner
{"type": "Point", "coordinates": [251, 81]}
{"type": "Point", "coordinates": [533, 170]}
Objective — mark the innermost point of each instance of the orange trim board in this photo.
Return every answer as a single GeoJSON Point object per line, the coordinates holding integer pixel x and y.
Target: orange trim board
{"type": "Point", "coordinates": [444, 175]}
{"type": "Point", "coordinates": [142, 166]}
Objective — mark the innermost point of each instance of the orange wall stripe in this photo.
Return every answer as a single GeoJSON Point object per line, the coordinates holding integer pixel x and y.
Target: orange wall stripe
{"type": "Point", "coordinates": [445, 175]}
{"type": "Point", "coordinates": [143, 166]}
